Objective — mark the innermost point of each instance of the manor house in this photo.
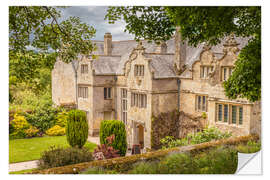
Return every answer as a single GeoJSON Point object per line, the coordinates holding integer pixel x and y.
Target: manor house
{"type": "Point", "coordinates": [132, 81]}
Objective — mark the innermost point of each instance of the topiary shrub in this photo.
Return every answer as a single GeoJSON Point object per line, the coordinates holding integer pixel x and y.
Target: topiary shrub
{"type": "Point", "coordinates": [110, 127]}
{"type": "Point", "coordinates": [55, 157]}
{"type": "Point", "coordinates": [56, 131]}
{"type": "Point", "coordinates": [77, 128]}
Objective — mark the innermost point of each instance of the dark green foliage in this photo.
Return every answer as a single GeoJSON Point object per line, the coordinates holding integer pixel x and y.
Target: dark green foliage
{"type": "Point", "coordinates": [77, 128]}
{"type": "Point", "coordinates": [246, 78]}
{"type": "Point", "coordinates": [144, 168]}
{"type": "Point", "coordinates": [110, 127]}
{"type": "Point", "coordinates": [55, 157]}
{"type": "Point", "coordinates": [222, 160]}
{"type": "Point", "coordinates": [40, 27]}
{"type": "Point", "coordinates": [43, 116]}
{"type": "Point", "coordinates": [180, 163]}
{"type": "Point", "coordinates": [161, 28]}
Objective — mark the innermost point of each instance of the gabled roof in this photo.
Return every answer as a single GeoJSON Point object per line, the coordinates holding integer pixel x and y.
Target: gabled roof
{"type": "Point", "coordinates": [161, 63]}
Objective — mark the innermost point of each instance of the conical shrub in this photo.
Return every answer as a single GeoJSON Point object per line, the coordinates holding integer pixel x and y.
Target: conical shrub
{"type": "Point", "coordinates": [110, 127]}
{"type": "Point", "coordinates": [77, 128]}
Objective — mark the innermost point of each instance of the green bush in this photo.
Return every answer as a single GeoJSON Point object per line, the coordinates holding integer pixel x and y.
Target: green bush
{"type": "Point", "coordinates": [110, 127]}
{"type": "Point", "coordinates": [55, 157]}
{"type": "Point", "coordinates": [144, 168]}
{"type": "Point", "coordinates": [43, 116]}
{"type": "Point", "coordinates": [250, 147]}
{"type": "Point", "coordinates": [180, 163]}
{"type": "Point", "coordinates": [77, 128]}
{"type": "Point", "coordinates": [206, 135]}
{"type": "Point", "coordinates": [222, 160]}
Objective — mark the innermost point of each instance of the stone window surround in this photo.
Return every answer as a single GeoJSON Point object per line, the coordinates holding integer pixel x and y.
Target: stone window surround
{"type": "Point", "coordinates": [84, 68]}
{"type": "Point", "coordinates": [82, 92]}
{"type": "Point", "coordinates": [138, 100]}
{"type": "Point", "coordinates": [229, 120]}
{"type": "Point", "coordinates": [201, 105]}
{"type": "Point", "coordinates": [138, 70]}
{"type": "Point", "coordinates": [205, 70]}
{"type": "Point", "coordinates": [228, 72]}
{"type": "Point", "coordinates": [107, 92]}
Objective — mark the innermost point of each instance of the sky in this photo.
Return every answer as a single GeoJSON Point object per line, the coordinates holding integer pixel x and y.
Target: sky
{"type": "Point", "coordinates": [94, 16]}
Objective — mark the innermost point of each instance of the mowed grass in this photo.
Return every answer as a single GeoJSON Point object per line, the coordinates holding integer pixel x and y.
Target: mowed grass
{"type": "Point", "coordinates": [30, 149]}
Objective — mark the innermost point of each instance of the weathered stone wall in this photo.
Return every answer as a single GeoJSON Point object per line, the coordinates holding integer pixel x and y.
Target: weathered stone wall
{"type": "Point", "coordinates": [212, 88]}
{"type": "Point", "coordinates": [63, 83]}
{"type": "Point", "coordinates": [256, 115]}
{"type": "Point", "coordinates": [176, 124]}
{"type": "Point", "coordinates": [139, 84]}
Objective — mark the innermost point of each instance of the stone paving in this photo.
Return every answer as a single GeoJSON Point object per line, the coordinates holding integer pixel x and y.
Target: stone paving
{"type": "Point", "coordinates": [33, 164]}
{"type": "Point", "coordinates": [22, 166]}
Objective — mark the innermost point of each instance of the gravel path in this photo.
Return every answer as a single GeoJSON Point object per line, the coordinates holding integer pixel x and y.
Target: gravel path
{"type": "Point", "coordinates": [33, 164]}
{"type": "Point", "coordinates": [22, 166]}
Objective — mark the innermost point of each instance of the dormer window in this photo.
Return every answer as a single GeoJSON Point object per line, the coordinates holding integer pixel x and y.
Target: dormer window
{"type": "Point", "coordinates": [84, 68]}
{"type": "Point", "coordinates": [226, 72]}
{"type": "Point", "coordinates": [139, 70]}
{"type": "Point", "coordinates": [205, 71]}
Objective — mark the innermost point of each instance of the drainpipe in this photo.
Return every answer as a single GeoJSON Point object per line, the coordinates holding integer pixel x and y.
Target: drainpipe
{"type": "Point", "coordinates": [115, 98]}
{"type": "Point", "coordinates": [178, 98]}
{"type": "Point", "coordinates": [76, 77]}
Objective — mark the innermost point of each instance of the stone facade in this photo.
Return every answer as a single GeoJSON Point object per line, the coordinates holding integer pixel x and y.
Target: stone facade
{"type": "Point", "coordinates": [132, 82]}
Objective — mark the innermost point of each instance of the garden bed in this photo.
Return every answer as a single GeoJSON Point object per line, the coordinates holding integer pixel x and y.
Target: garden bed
{"type": "Point", "coordinates": [122, 164]}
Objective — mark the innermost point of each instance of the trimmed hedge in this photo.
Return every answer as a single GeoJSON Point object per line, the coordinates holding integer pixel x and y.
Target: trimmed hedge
{"type": "Point", "coordinates": [77, 128]}
{"type": "Point", "coordinates": [122, 164]}
{"type": "Point", "coordinates": [109, 127]}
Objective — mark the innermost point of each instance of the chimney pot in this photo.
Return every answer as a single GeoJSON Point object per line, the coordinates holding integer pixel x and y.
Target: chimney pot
{"type": "Point", "coordinates": [107, 44]}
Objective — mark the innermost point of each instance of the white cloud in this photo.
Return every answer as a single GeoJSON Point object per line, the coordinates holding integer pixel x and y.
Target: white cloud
{"type": "Point", "coordinates": [94, 16]}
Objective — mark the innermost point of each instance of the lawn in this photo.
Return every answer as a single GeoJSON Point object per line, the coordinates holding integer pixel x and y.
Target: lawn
{"type": "Point", "coordinates": [30, 149]}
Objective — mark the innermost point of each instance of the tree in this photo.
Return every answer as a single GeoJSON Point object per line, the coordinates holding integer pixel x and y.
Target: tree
{"type": "Point", "coordinates": [202, 24]}
{"type": "Point", "coordinates": [77, 128]}
{"type": "Point", "coordinates": [38, 27]}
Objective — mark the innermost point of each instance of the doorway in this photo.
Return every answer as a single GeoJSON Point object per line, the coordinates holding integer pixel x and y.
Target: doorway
{"type": "Point", "coordinates": [141, 135]}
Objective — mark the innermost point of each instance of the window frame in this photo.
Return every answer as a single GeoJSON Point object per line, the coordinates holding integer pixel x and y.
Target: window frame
{"type": "Point", "coordinates": [205, 70]}
{"type": "Point", "coordinates": [84, 68]}
{"type": "Point", "coordinates": [83, 92]}
{"type": "Point", "coordinates": [230, 114]}
{"type": "Point", "coordinates": [139, 70]}
{"type": "Point", "coordinates": [107, 92]}
{"type": "Point", "coordinates": [138, 100]}
{"type": "Point", "coordinates": [226, 72]}
{"type": "Point", "coordinates": [200, 105]}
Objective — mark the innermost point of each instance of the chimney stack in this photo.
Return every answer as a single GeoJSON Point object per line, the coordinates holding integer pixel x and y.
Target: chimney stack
{"type": "Point", "coordinates": [107, 44]}
{"type": "Point", "coordinates": [180, 52]}
{"type": "Point", "coordinates": [161, 48]}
